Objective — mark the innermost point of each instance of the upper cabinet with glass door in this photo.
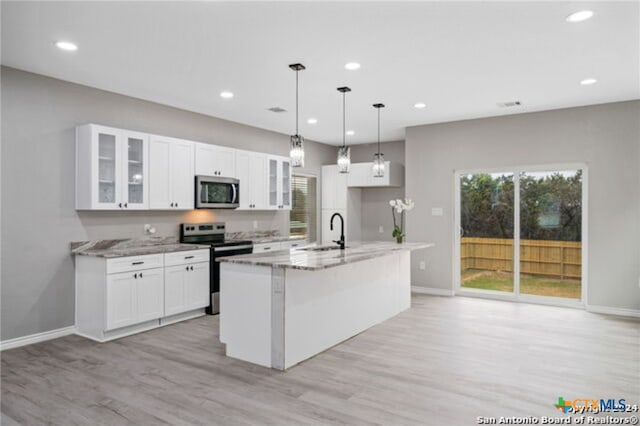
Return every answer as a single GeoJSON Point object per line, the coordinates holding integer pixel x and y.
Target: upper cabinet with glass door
{"type": "Point", "coordinates": [111, 169]}
{"type": "Point", "coordinates": [279, 181]}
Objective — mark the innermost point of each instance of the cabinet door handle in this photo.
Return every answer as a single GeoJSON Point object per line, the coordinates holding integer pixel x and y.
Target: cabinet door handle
{"type": "Point", "coordinates": [120, 205]}
{"type": "Point", "coordinates": [188, 257]}
{"type": "Point", "coordinates": [135, 275]}
{"type": "Point", "coordinates": [171, 204]}
{"type": "Point", "coordinates": [192, 268]}
{"type": "Point", "coordinates": [137, 263]}
{"type": "Point", "coordinates": [140, 274]}
{"type": "Point", "coordinates": [176, 204]}
{"type": "Point", "coordinates": [126, 205]}
{"type": "Point", "coordinates": [187, 268]}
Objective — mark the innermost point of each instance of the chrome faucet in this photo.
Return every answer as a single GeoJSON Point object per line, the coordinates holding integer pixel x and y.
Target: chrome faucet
{"type": "Point", "coordinates": [341, 240]}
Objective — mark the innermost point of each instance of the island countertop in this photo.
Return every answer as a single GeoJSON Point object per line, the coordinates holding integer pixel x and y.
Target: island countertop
{"type": "Point", "coordinates": [313, 260]}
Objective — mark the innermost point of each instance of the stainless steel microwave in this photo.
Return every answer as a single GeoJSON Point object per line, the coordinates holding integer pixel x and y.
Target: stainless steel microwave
{"type": "Point", "coordinates": [214, 192]}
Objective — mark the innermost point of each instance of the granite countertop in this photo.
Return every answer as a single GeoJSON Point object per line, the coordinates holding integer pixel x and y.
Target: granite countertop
{"type": "Point", "coordinates": [279, 239]}
{"type": "Point", "coordinates": [261, 237]}
{"type": "Point", "coordinates": [131, 247]}
{"type": "Point", "coordinates": [310, 260]}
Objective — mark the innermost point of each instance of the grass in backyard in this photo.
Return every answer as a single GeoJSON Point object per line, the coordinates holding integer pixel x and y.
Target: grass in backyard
{"type": "Point", "coordinates": [529, 284]}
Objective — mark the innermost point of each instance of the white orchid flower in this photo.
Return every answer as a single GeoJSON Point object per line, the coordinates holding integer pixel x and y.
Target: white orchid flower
{"type": "Point", "coordinates": [399, 209]}
{"type": "Point", "coordinates": [392, 203]}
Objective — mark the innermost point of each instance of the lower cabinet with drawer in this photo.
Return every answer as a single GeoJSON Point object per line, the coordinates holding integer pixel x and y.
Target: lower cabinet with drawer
{"type": "Point", "coordinates": [126, 295]}
{"type": "Point", "coordinates": [186, 281]}
{"type": "Point", "coordinates": [280, 245]}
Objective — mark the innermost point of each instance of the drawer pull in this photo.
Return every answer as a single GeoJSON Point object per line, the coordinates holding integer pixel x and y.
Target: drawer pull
{"type": "Point", "coordinates": [267, 248]}
{"type": "Point", "coordinates": [137, 263]}
{"type": "Point", "coordinates": [189, 257]}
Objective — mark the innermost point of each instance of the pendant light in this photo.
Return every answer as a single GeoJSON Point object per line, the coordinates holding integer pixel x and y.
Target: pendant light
{"type": "Point", "coordinates": [344, 152]}
{"type": "Point", "coordinates": [378, 157]}
{"type": "Point", "coordinates": [297, 141]}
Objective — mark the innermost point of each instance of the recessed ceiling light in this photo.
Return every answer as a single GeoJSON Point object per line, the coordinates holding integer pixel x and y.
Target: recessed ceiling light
{"type": "Point", "coordinates": [583, 15]}
{"type": "Point", "coordinates": [226, 95]}
{"type": "Point", "coordinates": [352, 66]}
{"type": "Point", "coordinates": [350, 133]}
{"type": "Point", "coordinates": [66, 45]}
{"type": "Point", "coordinates": [420, 105]}
{"type": "Point", "coordinates": [588, 81]}
{"type": "Point", "coordinates": [312, 120]}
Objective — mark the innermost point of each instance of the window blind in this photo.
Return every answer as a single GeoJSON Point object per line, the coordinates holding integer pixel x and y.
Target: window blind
{"type": "Point", "coordinates": [303, 208]}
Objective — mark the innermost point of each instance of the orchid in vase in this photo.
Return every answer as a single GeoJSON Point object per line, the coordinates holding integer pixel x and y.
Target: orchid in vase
{"type": "Point", "coordinates": [399, 206]}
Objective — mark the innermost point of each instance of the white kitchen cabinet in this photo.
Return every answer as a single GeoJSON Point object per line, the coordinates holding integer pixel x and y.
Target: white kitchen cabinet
{"type": "Point", "coordinates": [186, 281]}
{"type": "Point", "coordinates": [119, 296]}
{"type": "Point", "coordinates": [361, 176]}
{"type": "Point", "coordinates": [279, 183]}
{"type": "Point", "coordinates": [266, 247]}
{"type": "Point", "coordinates": [337, 197]}
{"type": "Point", "coordinates": [251, 168]}
{"type": "Point", "coordinates": [334, 188]}
{"type": "Point", "coordinates": [213, 160]}
{"type": "Point", "coordinates": [171, 174]}
{"type": "Point", "coordinates": [121, 300]}
{"type": "Point", "coordinates": [278, 245]}
{"type": "Point", "coordinates": [112, 168]}
{"type": "Point", "coordinates": [134, 297]}
{"type": "Point", "coordinates": [287, 245]}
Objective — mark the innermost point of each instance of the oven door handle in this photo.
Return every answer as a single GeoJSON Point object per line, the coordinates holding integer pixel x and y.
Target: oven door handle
{"type": "Point", "coordinates": [235, 193]}
{"type": "Point", "coordinates": [220, 249]}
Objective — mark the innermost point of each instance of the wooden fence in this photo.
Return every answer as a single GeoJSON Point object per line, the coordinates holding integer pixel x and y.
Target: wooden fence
{"type": "Point", "coordinates": [561, 259]}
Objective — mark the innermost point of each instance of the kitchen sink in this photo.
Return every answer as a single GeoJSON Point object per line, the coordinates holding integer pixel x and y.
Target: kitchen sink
{"type": "Point", "coordinates": [321, 248]}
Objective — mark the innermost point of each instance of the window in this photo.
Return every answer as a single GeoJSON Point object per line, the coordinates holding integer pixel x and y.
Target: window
{"type": "Point", "coordinates": [303, 210]}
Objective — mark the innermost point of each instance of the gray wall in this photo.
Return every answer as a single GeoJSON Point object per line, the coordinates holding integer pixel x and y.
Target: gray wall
{"type": "Point", "coordinates": [376, 211]}
{"type": "Point", "coordinates": [605, 137]}
{"type": "Point", "coordinates": [38, 217]}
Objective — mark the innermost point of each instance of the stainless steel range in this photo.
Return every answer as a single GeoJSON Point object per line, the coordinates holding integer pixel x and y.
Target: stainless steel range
{"type": "Point", "coordinates": [212, 234]}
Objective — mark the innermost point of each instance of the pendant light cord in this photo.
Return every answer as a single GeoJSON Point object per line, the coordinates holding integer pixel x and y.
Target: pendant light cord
{"type": "Point", "coordinates": [297, 102]}
{"type": "Point", "coordinates": [343, 120]}
{"type": "Point", "coordinates": [378, 132]}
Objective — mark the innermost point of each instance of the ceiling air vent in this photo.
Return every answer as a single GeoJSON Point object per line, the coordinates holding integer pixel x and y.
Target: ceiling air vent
{"type": "Point", "coordinates": [276, 109]}
{"type": "Point", "coordinates": [508, 104]}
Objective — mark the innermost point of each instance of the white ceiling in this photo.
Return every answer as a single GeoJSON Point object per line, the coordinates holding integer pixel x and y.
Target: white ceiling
{"type": "Point", "coordinates": [460, 58]}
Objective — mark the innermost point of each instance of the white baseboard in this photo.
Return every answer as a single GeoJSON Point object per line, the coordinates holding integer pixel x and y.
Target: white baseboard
{"type": "Point", "coordinates": [625, 312]}
{"type": "Point", "coordinates": [432, 291]}
{"type": "Point", "coordinates": [35, 338]}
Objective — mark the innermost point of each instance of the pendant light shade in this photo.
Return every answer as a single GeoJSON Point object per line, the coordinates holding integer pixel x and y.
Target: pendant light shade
{"type": "Point", "coordinates": [344, 152]}
{"type": "Point", "coordinates": [297, 141]}
{"type": "Point", "coordinates": [378, 158]}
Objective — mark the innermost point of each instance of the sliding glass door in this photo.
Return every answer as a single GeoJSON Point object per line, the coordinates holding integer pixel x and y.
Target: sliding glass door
{"type": "Point", "coordinates": [486, 231]}
{"type": "Point", "coordinates": [521, 234]}
{"type": "Point", "coordinates": [551, 233]}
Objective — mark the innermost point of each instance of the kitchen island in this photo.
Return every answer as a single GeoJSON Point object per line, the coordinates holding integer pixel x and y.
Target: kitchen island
{"type": "Point", "coordinates": [280, 308]}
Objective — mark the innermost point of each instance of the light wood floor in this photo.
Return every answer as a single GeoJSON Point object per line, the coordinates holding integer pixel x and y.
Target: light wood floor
{"type": "Point", "coordinates": [443, 362]}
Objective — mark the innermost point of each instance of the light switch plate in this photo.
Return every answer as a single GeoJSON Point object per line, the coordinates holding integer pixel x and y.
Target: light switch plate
{"type": "Point", "coordinates": [437, 211]}
{"type": "Point", "coordinates": [255, 224]}
{"type": "Point", "coordinates": [423, 265]}
{"type": "Point", "coordinates": [381, 229]}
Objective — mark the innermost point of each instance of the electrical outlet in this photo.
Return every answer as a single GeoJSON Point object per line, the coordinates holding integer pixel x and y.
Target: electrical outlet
{"type": "Point", "coordinates": [437, 211]}
{"type": "Point", "coordinates": [381, 229]}
{"type": "Point", "coordinates": [423, 265]}
{"type": "Point", "coordinates": [255, 224]}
